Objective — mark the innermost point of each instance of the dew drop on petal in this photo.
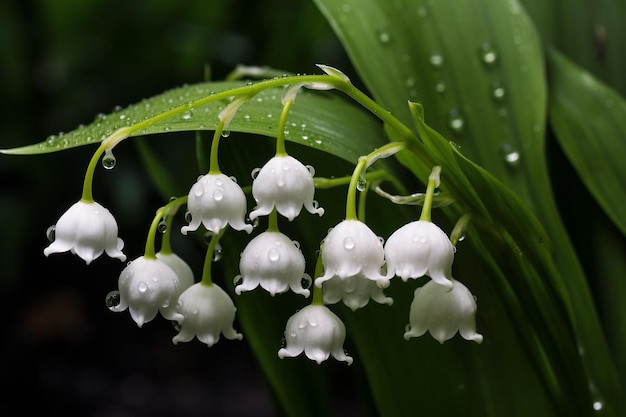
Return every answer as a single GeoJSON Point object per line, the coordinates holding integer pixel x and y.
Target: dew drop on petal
{"type": "Point", "coordinates": [349, 243]}
{"type": "Point", "coordinates": [108, 160]}
{"type": "Point", "coordinates": [112, 300]}
{"type": "Point", "coordinates": [219, 182]}
{"type": "Point", "coordinates": [273, 255]}
{"type": "Point", "coordinates": [313, 322]}
{"type": "Point", "coordinates": [142, 287]}
{"type": "Point", "coordinates": [50, 233]}
{"type": "Point", "coordinates": [218, 195]}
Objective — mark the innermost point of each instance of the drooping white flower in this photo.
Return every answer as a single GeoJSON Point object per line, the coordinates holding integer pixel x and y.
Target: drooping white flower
{"type": "Point", "coordinates": [273, 261]}
{"type": "Point", "coordinates": [146, 287]}
{"type": "Point", "coordinates": [420, 248]}
{"type": "Point", "coordinates": [206, 312]}
{"type": "Point", "coordinates": [443, 312]}
{"type": "Point", "coordinates": [181, 268]}
{"type": "Point", "coordinates": [316, 331]}
{"type": "Point", "coordinates": [87, 229]}
{"type": "Point", "coordinates": [354, 291]}
{"type": "Point", "coordinates": [351, 249]}
{"type": "Point", "coordinates": [286, 184]}
{"type": "Point", "coordinates": [216, 201]}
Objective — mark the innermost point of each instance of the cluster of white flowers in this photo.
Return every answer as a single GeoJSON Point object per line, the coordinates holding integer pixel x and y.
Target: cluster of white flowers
{"type": "Point", "coordinates": [357, 264]}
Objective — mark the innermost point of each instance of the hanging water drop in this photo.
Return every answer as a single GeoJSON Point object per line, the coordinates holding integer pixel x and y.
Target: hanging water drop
{"type": "Point", "coordinates": [225, 133]}
{"type": "Point", "coordinates": [488, 54]}
{"type": "Point", "coordinates": [217, 253]}
{"type": "Point", "coordinates": [162, 226]}
{"type": "Point", "coordinates": [50, 233]}
{"type": "Point", "coordinates": [361, 184]}
{"type": "Point", "coordinates": [112, 300]}
{"type": "Point", "coordinates": [237, 280]}
{"type": "Point", "coordinates": [108, 160]}
{"type": "Point", "coordinates": [306, 282]}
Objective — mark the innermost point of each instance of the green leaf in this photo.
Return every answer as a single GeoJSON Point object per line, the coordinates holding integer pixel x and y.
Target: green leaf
{"type": "Point", "coordinates": [589, 120]}
{"type": "Point", "coordinates": [321, 121]}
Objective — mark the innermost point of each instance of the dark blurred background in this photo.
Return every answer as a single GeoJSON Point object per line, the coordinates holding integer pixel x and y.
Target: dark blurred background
{"type": "Point", "coordinates": [63, 62]}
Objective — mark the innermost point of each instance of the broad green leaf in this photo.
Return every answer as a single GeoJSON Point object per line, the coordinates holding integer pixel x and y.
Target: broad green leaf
{"type": "Point", "coordinates": [321, 121]}
{"type": "Point", "coordinates": [477, 67]}
{"type": "Point", "coordinates": [589, 120]}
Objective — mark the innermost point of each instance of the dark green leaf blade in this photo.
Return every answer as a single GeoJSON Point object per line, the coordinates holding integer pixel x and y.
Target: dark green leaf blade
{"type": "Point", "coordinates": [589, 120]}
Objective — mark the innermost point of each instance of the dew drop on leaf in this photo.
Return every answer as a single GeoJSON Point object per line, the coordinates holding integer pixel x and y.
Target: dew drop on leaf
{"type": "Point", "coordinates": [455, 121]}
{"type": "Point", "coordinates": [511, 155]}
{"type": "Point", "coordinates": [488, 55]}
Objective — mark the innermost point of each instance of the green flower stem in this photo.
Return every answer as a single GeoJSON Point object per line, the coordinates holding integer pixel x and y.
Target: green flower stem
{"type": "Point", "coordinates": [214, 164]}
{"type": "Point", "coordinates": [433, 182]}
{"type": "Point", "coordinates": [364, 162]}
{"type": "Point", "coordinates": [208, 259]}
{"type": "Point", "coordinates": [150, 252]}
{"type": "Point", "coordinates": [273, 221]}
{"type": "Point", "coordinates": [280, 137]}
{"type": "Point", "coordinates": [166, 247]}
{"type": "Point", "coordinates": [318, 292]}
{"type": "Point", "coordinates": [87, 196]}
{"type": "Point", "coordinates": [326, 183]}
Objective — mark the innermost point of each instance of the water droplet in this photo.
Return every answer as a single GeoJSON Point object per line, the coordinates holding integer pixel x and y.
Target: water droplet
{"type": "Point", "coordinates": [349, 243]}
{"type": "Point", "coordinates": [511, 155]}
{"type": "Point", "coordinates": [306, 282]}
{"type": "Point", "coordinates": [142, 287]}
{"type": "Point", "coordinates": [384, 37]}
{"type": "Point", "coordinates": [187, 115]}
{"type": "Point", "coordinates": [305, 137]}
{"type": "Point", "coordinates": [225, 133]}
{"type": "Point", "coordinates": [162, 226]}
{"type": "Point", "coordinates": [436, 60]}
{"type": "Point", "coordinates": [361, 184]}
{"type": "Point", "coordinates": [455, 121]}
{"type": "Point", "coordinates": [313, 322]}
{"type": "Point", "coordinates": [112, 299]}
{"type": "Point", "coordinates": [217, 253]}
{"type": "Point", "coordinates": [273, 255]}
{"type": "Point", "coordinates": [50, 233]}
{"type": "Point", "coordinates": [497, 91]}
{"type": "Point", "coordinates": [218, 195]}
{"type": "Point", "coordinates": [108, 160]}
{"type": "Point", "coordinates": [597, 405]}
{"type": "Point", "coordinates": [488, 54]}
{"type": "Point", "coordinates": [296, 243]}
{"type": "Point", "coordinates": [410, 82]}
{"type": "Point", "coordinates": [422, 11]}
{"type": "Point", "coordinates": [247, 117]}
{"type": "Point", "coordinates": [237, 280]}
{"type": "Point", "coordinates": [188, 216]}
{"type": "Point", "coordinates": [440, 87]}
{"type": "Point", "coordinates": [311, 170]}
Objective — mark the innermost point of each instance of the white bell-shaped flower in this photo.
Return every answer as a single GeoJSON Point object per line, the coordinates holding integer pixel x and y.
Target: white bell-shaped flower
{"type": "Point", "coordinates": [182, 269]}
{"type": "Point", "coordinates": [355, 292]}
{"type": "Point", "coordinates": [443, 312]}
{"type": "Point", "coordinates": [275, 262]}
{"type": "Point", "coordinates": [420, 248]}
{"type": "Point", "coordinates": [87, 229]}
{"type": "Point", "coordinates": [351, 249]}
{"type": "Point", "coordinates": [286, 184]}
{"type": "Point", "coordinates": [146, 287]}
{"type": "Point", "coordinates": [206, 312]}
{"type": "Point", "coordinates": [316, 331]}
{"type": "Point", "coordinates": [216, 201]}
